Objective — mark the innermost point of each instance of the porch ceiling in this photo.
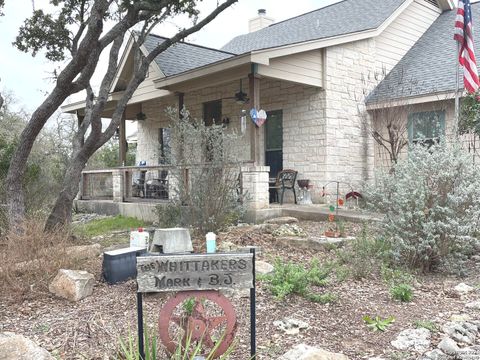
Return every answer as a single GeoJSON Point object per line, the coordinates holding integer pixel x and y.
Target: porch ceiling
{"type": "Point", "coordinates": [78, 108]}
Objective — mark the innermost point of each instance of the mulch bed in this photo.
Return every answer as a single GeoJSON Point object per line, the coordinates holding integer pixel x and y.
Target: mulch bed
{"type": "Point", "coordinates": [90, 328]}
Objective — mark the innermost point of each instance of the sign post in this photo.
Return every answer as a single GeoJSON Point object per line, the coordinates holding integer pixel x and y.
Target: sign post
{"type": "Point", "coordinates": [197, 276]}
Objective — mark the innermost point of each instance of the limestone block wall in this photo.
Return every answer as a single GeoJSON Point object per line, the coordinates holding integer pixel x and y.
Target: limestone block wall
{"type": "Point", "coordinates": [349, 148]}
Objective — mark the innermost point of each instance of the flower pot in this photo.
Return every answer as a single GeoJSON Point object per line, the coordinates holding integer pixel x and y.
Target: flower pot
{"type": "Point", "coordinates": [333, 234]}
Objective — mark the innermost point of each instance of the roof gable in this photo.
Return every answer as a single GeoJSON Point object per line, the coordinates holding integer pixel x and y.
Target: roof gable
{"type": "Point", "coordinates": [183, 56]}
{"type": "Point", "coordinates": [345, 17]}
{"type": "Point", "coordinates": [428, 67]}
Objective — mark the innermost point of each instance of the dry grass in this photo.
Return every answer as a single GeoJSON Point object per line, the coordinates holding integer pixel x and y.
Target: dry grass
{"type": "Point", "coordinates": [30, 258]}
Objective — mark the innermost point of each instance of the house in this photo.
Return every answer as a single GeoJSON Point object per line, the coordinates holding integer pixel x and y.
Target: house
{"type": "Point", "coordinates": [316, 76]}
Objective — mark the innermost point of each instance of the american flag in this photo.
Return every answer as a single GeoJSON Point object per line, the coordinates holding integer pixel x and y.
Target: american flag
{"type": "Point", "coordinates": [464, 35]}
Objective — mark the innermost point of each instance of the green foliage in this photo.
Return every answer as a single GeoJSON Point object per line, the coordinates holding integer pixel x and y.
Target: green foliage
{"type": "Point", "coordinates": [396, 275]}
{"type": "Point", "coordinates": [108, 156]}
{"type": "Point", "coordinates": [430, 206]}
{"type": "Point", "coordinates": [402, 292]}
{"type": "Point", "coordinates": [326, 298]}
{"type": "Point", "coordinates": [128, 346]}
{"type": "Point", "coordinates": [290, 278]}
{"type": "Point", "coordinates": [377, 323]}
{"type": "Point", "coordinates": [188, 306]}
{"type": "Point", "coordinates": [427, 324]}
{"type": "Point", "coordinates": [109, 224]}
{"type": "Point", "coordinates": [210, 199]}
{"type": "Point", "coordinates": [366, 253]}
{"type": "Point", "coordinates": [469, 120]}
{"type": "Point", "coordinates": [187, 350]}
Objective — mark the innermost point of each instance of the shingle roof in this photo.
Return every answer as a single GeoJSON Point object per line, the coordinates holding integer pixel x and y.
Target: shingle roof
{"type": "Point", "coordinates": [429, 66]}
{"type": "Point", "coordinates": [342, 18]}
{"type": "Point", "coordinates": [183, 56]}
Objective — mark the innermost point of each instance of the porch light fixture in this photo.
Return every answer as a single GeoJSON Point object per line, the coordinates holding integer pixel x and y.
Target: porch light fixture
{"type": "Point", "coordinates": [141, 116]}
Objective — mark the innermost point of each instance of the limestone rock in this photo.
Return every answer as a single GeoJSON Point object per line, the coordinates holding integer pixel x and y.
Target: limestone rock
{"type": "Point", "coordinates": [170, 241]}
{"type": "Point", "coordinates": [263, 268]}
{"type": "Point", "coordinates": [18, 347]}
{"type": "Point", "coordinates": [413, 339]}
{"type": "Point", "coordinates": [475, 305]}
{"type": "Point", "coordinates": [468, 353]}
{"type": "Point", "coordinates": [448, 346]}
{"type": "Point", "coordinates": [306, 352]}
{"type": "Point", "coordinates": [461, 332]}
{"type": "Point", "coordinates": [226, 246]}
{"type": "Point", "coordinates": [289, 230]}
{"type": "Point", "coordinates": [460, 317]}
{"type": "Point", "coordinates": [435, 354]}
{"type": "Point", "coordinates": [290, 326]}
{"type": "Point", "coordinates": [463, 288]}
{"type": "Point", "coordinates": [84, 251]}
{"type": "Point", "coordinates": [72, 285]}
{"type": "Point", "coordinates": [267, 228]}
{"type": "Point", "coordinates": [282, 220]}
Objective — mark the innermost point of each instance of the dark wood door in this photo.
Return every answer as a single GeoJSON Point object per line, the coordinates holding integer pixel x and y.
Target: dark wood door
{"type": "Point", "coordinates": [274, 142]}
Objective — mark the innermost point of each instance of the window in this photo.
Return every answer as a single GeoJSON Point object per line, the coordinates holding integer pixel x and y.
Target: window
{"type": "Point", "coordinates": [426, 127]}
{"type": "Point", "coordinates": [212, 112]}
{"type": "Point", "coordinates": [164, 146]}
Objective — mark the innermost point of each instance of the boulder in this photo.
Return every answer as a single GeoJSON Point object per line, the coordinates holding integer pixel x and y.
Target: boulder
{"type": "Point", "coordinates": [413, 340]}
{"type": "Point", "coordinates": [263, 268]}
{"type": "Point", "coordinates": [84, 251]}
{"type": "Point", "coordinates": [306, 352]}
{"type": "Point", "coordinates": [72, 285]}
{"type": "Point", "coordinates": [448, 346]}
{"type": "Point", "coordinates": [171, 241]}
{"type": "Point", "coordinates": [475, 305]}
{"type": "Point", "coordinates": [289, 230]}
{"type": "Point", "coordinates": [461, 332]}
{"type": "Point", "coordinates": [282, 220]}
{"type": "Point", "coordinates": [18, 347]}
{"type": "Point", "coordinates": [463, 288]}
{"type": "Point", "coordinates": [435, 354]}
{"type": "Point", "coordinates": [290, 326]}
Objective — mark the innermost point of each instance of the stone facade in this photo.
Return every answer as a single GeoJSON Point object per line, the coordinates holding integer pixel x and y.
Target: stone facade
{"type": "Point", "coordinates": [325, 136]}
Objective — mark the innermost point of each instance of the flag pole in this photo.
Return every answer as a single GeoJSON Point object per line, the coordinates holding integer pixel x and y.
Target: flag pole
{"type": "Point", "coordinates": [457, 92]}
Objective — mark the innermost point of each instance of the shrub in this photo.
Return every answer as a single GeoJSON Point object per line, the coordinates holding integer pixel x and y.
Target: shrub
{"type": "Point", "coordinates": [366, 253]}
{"type": "Point", "coordinates": [430, 206]}
{"type": "Point", "coordinates": [210, 199]}
{"type": "Point", "coordinates": [402, 292]}
{"type": "Point", "coordinates": [30, 258]}
{"type": "Point", "coordinates": [289, 278]}
{"type": "Point", "coordinates": [377, 323]}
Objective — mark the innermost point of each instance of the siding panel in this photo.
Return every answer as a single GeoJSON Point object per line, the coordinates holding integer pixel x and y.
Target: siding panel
{"type": "Point", "coordinates": [403, 33]}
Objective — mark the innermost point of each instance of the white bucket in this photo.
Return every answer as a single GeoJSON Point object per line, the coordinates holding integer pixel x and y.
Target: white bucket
{"type": "Point", "coordinates": [139, 239]}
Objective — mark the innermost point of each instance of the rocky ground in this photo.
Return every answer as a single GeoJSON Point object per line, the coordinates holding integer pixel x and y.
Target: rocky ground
{"type": "Point", "coordinates": [91, 327]}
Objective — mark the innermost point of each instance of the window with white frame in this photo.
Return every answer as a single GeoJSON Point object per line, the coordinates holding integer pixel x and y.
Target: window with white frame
{"type": "Point", "coordinates": [426, 127]}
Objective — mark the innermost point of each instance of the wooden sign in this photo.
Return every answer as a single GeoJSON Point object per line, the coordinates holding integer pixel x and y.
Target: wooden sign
{"type": "Point", "coordinates": [194, 272]}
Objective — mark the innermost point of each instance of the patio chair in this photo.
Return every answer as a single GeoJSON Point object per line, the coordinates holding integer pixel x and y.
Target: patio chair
{"type": "Point", "coordinates": [285, 181]}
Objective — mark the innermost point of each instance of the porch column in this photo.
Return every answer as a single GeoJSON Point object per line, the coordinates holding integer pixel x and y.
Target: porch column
{"type": "Point", "coordinates": [254, 82]}
{"type": "Point", "coordinates": [254, 180]}
{"type": "Point", "coordinates": [122, 142]}
{"type": "Point", "coordinates": [118, 185]}
{"type": "Point", "coordinates": [79, 123]}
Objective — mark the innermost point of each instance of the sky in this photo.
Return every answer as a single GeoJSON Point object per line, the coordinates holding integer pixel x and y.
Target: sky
{"type": "Point", "coordinates": [30, 78]}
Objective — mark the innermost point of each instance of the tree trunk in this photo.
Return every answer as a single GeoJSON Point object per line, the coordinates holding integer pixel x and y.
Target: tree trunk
{"type": "Point", "coordinates": [61, 213]}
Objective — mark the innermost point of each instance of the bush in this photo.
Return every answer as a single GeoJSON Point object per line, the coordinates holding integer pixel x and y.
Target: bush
{"type": "Point", "coordinates": [30, 258]}
{"type": "Point", "coordinates": [366, 253]}
{"type": "Point", "coordinates": [430, 206]}
{"type": "Point", "coordinates": [289, 278]}
{"type": "Point", "coordinates": [402, 292]}
{"type": "Point", "coordinates": [210, 199]}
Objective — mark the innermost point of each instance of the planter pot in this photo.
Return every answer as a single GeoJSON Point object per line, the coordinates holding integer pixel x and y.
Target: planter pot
{"type": "Point", "coordinates": [333, 234]}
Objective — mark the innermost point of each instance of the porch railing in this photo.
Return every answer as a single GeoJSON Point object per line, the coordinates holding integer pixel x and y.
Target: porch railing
{"type": "Point", "coordinates": [157, 183]}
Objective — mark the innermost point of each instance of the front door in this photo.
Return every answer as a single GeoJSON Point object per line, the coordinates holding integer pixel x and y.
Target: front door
{"type": "Point", "coordinates": [274, 142]}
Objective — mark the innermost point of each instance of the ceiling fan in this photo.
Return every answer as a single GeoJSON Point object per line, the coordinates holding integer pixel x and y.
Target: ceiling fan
{"type": "Point", "coordinates": [240, 97]}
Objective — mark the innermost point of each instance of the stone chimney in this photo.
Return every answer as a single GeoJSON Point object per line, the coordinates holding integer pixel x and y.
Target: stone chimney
{"type": "Point", "coordinates": [259, 22]}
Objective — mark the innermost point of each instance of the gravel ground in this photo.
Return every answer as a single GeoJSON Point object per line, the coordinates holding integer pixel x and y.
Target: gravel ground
{"type": "Point", "coordinates": [90, 328]}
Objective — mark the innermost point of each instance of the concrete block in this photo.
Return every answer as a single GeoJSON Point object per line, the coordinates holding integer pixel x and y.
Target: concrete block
{"type": "Point", "coordinates": [170, 241]}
